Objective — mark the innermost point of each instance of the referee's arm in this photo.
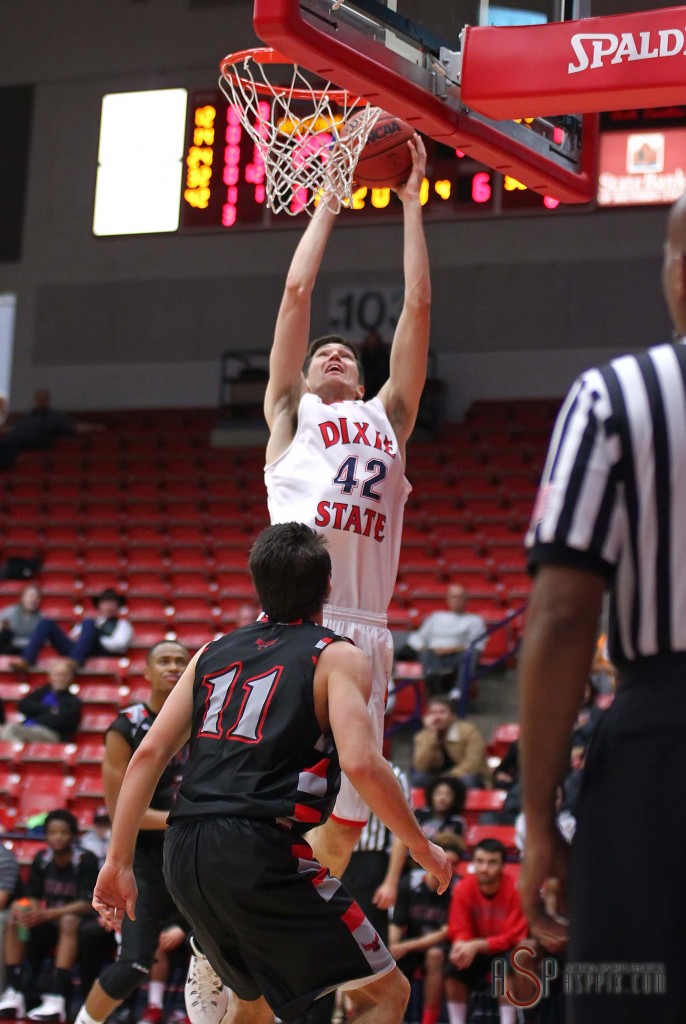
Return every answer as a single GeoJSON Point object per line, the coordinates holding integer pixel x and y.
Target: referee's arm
{"type": "Point", "coordinates": [560, 639]}
{"type": "Point", "coordinates": [573, 548]}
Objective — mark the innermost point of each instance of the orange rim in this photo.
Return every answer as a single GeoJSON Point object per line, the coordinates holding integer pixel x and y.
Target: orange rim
{"type": "Point", "coordinates": [230, 68]}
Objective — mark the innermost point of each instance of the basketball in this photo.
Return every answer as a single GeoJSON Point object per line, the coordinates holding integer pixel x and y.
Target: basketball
{"type": "Point", "coordinates": [386, 160]}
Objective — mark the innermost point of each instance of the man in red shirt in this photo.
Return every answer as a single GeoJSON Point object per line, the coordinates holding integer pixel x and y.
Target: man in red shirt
{"type": "Point", "coordinates": [486, 920]}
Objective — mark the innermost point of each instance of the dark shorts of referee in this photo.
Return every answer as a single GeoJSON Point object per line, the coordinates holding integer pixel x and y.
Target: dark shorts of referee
{"type": "Point", "coordinates": [627, 884]}
{"type": "Point", "coordinates": [270, 919]}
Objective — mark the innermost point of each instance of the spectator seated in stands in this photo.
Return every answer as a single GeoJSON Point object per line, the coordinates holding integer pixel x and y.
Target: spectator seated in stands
{"type": "Point", "coordinates": [50, 713]}
{"type": "Point", "coordinates": [38, 429]}
{"type": "Point", "coordinates": [173, 952]}
{"type": "Point", "coordinates": [443, 640]}
{"type": "Point", "coordinates": [486, 920]}
{"type": "Point", "coordinates": [105, 635]}
{"type": "Point", "coordinates": [565, 820]}
{"type": "Point", "coordinates": [97, 839]}
{"type": "Point", "coordinates": [445, 799]}
{"type": "Point", "coordinates": [506, 775]}
{"type": "Point", "coordinates": [588, 717]}
{"type": "Point", "coordinates": [418, 931]}
{"type": "Point", "coordinates": [447, 745]}
{"type": "Point", "coordinates": [10, 890]}
{"type": "Point", "coordinates": [18, 621]}
{"type": "Point", "coordinates": [603, 672]}
{"type": "Point", "coordinates": [57, 915]}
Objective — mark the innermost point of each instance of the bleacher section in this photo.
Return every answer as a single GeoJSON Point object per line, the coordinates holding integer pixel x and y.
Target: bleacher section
{"type": "Point", "coordinates": [148, 507]}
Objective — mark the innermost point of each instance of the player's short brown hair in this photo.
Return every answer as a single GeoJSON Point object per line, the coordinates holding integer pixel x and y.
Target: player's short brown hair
{"type": "Point", "coordinates": [332, 339]}
{"type": "Point", "coordinates": [291, 568]}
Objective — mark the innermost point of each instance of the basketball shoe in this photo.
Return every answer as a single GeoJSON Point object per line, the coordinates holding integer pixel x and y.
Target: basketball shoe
{"type": "Point", "coordinates": [12, 1004]}
{"type": "Point", "coordinates": [51, 1009]}
{"type": "Point", "coordinates": [207, 998]}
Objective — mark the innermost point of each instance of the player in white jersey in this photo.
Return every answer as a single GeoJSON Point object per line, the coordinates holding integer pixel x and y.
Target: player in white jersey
{"type": "Point", "coordinates": [338, 463]}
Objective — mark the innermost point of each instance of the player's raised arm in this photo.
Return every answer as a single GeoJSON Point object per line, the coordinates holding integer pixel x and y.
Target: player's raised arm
{"type": "Point", "coordinates": [292, 331]}
{"type": "Point", "coordinates": [401, 393]}
{"type": "Point", "coordinates": [346, 674]}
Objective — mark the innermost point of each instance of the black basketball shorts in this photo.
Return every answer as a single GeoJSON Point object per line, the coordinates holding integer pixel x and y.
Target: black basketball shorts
{"type": "Point", "coordinates": [270, 919]}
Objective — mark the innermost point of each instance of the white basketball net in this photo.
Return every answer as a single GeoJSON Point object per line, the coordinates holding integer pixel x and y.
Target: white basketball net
{"type": "Point", "coordinates": [309, 141]}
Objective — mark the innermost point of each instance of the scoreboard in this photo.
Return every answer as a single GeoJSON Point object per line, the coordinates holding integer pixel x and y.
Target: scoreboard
{"type": "Point", "coordinates": [224, 180]}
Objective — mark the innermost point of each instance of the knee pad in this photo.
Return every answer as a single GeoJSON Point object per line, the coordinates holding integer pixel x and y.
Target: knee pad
{"type": "Point", "coordinates": [121, 979]}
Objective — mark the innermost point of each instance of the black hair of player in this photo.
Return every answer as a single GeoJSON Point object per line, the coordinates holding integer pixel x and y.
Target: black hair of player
{"type": "Point", "coordinates": [65, 816]}
{"type": "Point", "coordinates": [332, 339]}
{"type": "Point", "coordinates": [291, 568]}
{"type": "Point", "coordinates": [492, 846]}
{"type": "Point", "coordinates": [177, 643]}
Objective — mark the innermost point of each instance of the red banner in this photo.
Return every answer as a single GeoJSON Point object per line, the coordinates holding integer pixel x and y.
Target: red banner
{"type": "Point", "coordinates": [610, 63]}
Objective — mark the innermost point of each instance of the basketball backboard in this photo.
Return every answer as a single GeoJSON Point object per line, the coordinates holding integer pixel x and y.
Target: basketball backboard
{"type": "Point", "coordinates": [405, 56]}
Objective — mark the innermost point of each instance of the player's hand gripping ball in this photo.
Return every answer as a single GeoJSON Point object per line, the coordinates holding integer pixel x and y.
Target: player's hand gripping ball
{"type": "Point", "coordinates": [386, 159]}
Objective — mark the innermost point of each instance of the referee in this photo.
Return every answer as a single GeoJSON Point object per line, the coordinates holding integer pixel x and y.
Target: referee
{"type": "Point", "coordinates": [375, 866]}
{"type": "Point", "coordinates": [611, 514]}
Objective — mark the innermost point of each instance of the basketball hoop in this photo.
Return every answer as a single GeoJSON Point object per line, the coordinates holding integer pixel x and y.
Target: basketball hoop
{"type": "Point", "coordinates": [306, 136]}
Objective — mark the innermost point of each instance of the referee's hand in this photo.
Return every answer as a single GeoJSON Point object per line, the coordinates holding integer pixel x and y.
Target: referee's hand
{"type": "Point", "coordinates": [543, 887]}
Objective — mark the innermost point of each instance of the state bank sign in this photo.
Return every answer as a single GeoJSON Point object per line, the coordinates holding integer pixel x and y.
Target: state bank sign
{"type": "Point", "coordinates": [641, 168]}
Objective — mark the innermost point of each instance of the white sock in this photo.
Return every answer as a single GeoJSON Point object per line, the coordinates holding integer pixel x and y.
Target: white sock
{"type": "Point", "coordinates": [508, 1013]}
{"type": "Point", "coordinates": [457, 1013]}
{"type": "Point", "coordinates": [83, 1017]}
{"type": "Point", "coordinates": [156, 994]}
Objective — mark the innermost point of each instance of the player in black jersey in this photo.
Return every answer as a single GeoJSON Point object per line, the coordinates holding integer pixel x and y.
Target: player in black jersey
{"type": "Point", "coordinates": [165, 665]}
{"type": "Point", "coordinates": [273, 712]}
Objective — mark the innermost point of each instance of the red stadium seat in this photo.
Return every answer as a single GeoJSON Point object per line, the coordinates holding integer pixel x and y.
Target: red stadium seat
{"type": "Point", "coordinates": [95, 723]}
{"type": "Point", "coordinates": [481, 801]}
{"type": "Point", "coordinates": [417, 797]}
{"type": "Point", "coordinates": [187, 536]}
{"type": "Point", "coordinates": [88, 752]}
{"type": "Point", "coordinates": [147, 584]}
{"type": "Point", "coordinates": [107, 558]}
{"type": "Point", "coordinates": [101, 697]}
{"type": "Point", "coordinates": [501, 738]}
{"type": "Point", "coordinates": [97, 535]}
{"type": "Point", "coordinates": [40, 792]}
{"type": "Point", "coordinates": [193, 559]}
{"type": "Point", "coordinates": [234, 586]}
{"type": "Point", "coordinates": [192, 609]}
{"type": "Point", "coordinates": [42, 756]}
{"type": "Point", "coordinates": [88, 787]}
{"type": "Point", "coordinates": [191, 584]}
{"type": "Point", "coordinates": [142, 534]}
{"type": "Point", "coordinates": [11, 692]}
{"type": "Point", "coordinates": [503, 833]}
{"type": "Point", "coordinates": [25, 849]}
{"type": "Point", "coordinates": [9, 753]}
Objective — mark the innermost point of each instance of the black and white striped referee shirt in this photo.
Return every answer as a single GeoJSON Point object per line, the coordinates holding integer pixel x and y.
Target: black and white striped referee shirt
{"type": "Point", "coordinates": [375, 837]}
{"type": "Point", "coordinates": [613, 496]}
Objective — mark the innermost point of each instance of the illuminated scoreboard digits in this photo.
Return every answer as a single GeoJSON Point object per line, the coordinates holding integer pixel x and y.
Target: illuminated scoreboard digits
{"type": "Point", "coordinates": [225, 184]}
{"type": "Point", "coordinates": [224, 171]}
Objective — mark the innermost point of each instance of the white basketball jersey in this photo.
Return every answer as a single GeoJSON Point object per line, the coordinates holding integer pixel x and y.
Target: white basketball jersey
{"type": "Point", "coordinates": [343, 475]}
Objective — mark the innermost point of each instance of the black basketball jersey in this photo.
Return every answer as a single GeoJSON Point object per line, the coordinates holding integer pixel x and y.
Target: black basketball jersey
{"type": "Point", "coordinates": [256, 748]}
{"type": "Point", "coordinates": [133, 723]}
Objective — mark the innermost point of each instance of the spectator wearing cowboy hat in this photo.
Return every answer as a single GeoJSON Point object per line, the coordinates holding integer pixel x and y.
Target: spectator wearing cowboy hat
{"type": "Point", "coordinates": [106, 634]}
